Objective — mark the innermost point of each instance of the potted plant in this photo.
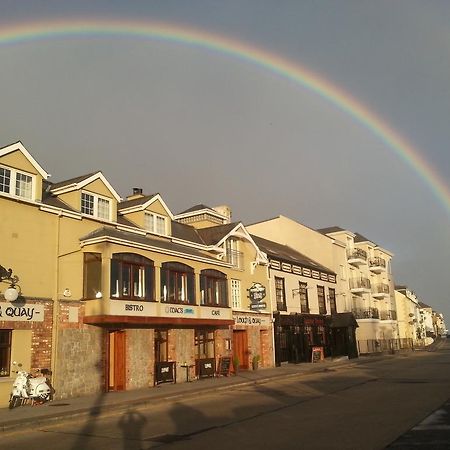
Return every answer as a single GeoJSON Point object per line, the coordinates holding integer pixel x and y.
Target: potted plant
{"type": "Point", "coordinates": [255, 361]}
{"type": "Point", "coordinates": [236, 364]}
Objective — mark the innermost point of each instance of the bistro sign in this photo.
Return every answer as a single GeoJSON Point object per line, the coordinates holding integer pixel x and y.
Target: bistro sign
{"type": "Point", "coordinates": [256, 294]}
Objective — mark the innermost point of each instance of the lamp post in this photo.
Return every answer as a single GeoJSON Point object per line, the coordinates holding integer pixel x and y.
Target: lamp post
{"type": "Point", "coordinates": [6, 275]}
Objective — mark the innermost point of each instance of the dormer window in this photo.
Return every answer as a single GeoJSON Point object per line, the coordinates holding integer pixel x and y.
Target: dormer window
{"type": "Point", "coordinates": [95, 206]}
{"type": "Point", "coordinates": [155, 223]}
{"type": "Point", "coordinates": [16, 183]}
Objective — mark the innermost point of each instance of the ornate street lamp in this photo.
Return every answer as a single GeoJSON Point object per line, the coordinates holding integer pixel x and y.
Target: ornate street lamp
{"type": "Point", "coordinates": [6, 275]}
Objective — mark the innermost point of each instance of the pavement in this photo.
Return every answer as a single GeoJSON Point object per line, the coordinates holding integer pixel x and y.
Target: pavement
{"type": "Point", "coordinates": [110, 403]}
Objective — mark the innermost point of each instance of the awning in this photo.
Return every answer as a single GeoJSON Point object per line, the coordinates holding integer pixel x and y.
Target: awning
{"type": "Point", "coordinates": [343, 320]}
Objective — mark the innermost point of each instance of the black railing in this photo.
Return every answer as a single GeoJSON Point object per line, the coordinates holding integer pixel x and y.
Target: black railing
{"type": "Point", "coordinates": [377, 262]}
{"type": "Point", "coordinates": [359, 283]}
{"type": "Point", "coordinates": [357, 253]}
{"type": "Point", "coordinates": [381, 288]}
{"type": "Point", "coordinates": [368, 313]}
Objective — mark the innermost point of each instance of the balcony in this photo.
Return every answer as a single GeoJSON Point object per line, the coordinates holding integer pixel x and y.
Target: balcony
{"type": "Point", "coordinates": [359, 285]}
{"type": "Point", "coordinates": [357, 256]}
{"type": "Point", "coordinates": [388, 315]}
{"type": "Point", "coordinates": [235, 258]}
{"type": "Point", "coordinates": [381, 290]}
{"type": "Point", "coordinates": [368, 313]}
{"type": "Point", "coordinates": [377, 265]}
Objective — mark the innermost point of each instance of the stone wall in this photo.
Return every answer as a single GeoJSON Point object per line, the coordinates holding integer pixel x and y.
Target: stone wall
{"type": "Point", "coordinates": [140, 358]}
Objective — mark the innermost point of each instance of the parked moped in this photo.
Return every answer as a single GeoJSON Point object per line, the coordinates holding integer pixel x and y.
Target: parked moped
{"type": "Point", "coordinates": [38, 389]}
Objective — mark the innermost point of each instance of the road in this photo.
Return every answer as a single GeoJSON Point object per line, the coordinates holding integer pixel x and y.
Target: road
{"type": "Point", "coordinates": [364, 407]}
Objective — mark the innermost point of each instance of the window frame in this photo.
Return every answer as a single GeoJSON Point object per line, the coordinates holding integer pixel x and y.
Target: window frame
{"type": "Point", "coordinates": [171, 274]}
{"type": "Point", "coordinates": [236, 299]}
{"type": "Point", "coordinates": [332, 298]}
{"type": "Point", "coordinates": [12, 186]}
{"type": "Point", "coordinates": [88, 282]}
{"type": "Point", "coordinates": [128, 262]}
{"type": "Point", "coordinates": [203, 337]}
{"type": "Point", "coordinates": [95, 207]}
{"type": "Point", "coordinates": [154, 227]}
{"type": "Point", "coordinates": [219, 287]}
{"type": "Point", "coordinates": [321, 301]}
{"type": "Point", "coordinates": [303, 294]}
{"type": "Point", "coordinates": [280, 293]}
{"type": "Point", "coordinates": [5, 350]}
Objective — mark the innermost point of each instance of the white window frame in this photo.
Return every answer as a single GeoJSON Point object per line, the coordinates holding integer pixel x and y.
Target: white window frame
{"type": "Point", "coordinates": [153, 228]}
{"type": "Point", "coordinates": [236, 302]}
{"type": "Point", "coordinates": [13, 183]}
{"type": "Point", "coordinates": [95, 211]}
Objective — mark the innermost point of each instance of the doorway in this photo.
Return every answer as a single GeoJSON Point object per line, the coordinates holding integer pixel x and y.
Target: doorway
{"type": "Point", "coordinates": [116, 361]}
{"type": "Point", "coordinates": [240, 348]}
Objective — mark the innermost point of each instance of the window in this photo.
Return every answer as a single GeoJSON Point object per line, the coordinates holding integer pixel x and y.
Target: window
{"type": "Point", "coordinates": [155, 223]}
{"type": "Point", "coordinates": [132, 277]}
{"type": "Point", "coordinates": [332, 297]}
{"type": "Point", "coordinates": [92, 279]}
{"type": "Point", "coordinates": [16, 183]}
{"type": "Point", "coordinates": [232, 254]}
{"type": "Point", "coordinates": [161, 345]}
{"type": "Point", "coordinates": [93, 205]}
{"type": "Point", "coordinates": [204, 344]}
{"type": "Point", "coordinates": [5, 352]}
{"type": "Point", "coordinates": [213, 288]}
{"type": "Point", "coordinates": [321, 300]}
{"type": "Point", "coordinates": [177, 283]}
{"type": "Point", "coordinates": [236, 294]}
{"type": "Point", "coordinates": [280, 294]}
{"type": "Point", "coordinates": [304, 303]}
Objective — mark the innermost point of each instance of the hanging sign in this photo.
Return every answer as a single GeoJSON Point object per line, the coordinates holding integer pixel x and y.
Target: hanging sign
{"type": "Point", "coordinates": [256, 294]}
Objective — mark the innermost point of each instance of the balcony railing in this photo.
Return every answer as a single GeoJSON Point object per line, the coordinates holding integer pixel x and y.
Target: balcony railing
{"type": "Point", "coordinates": [381, 290]}
{"type": "Point", "coordinates": [357, 256]}
{"type": "Point", "coordinates": [235, 258]}
{"type": "Point", "coordinates": [377, 264]}
{"type": "Point", "coordinates": [360, 284]}
{"type": "Point", "coordinates": [368, 313]}
{"type": "Point", "coordinates": [388, 315]}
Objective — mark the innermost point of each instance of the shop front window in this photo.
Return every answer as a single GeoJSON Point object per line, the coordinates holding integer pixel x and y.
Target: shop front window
{"type": "Point", "coordinates": [92, 276]}
{"type": "Point", "coordinates": [177, 283]}
{"type": "Point", "coordinates": [213, 288]}
{"type": "Point", "coordinates": [132, 277]}
{"type": "Point", "coordinates": [5, 352]}
{"type": "Point", "coordinates": [204, 344]}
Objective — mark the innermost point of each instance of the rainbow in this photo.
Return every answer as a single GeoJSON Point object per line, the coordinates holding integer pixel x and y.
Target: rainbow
{"type": "Point", "coordinates": [31, 31]}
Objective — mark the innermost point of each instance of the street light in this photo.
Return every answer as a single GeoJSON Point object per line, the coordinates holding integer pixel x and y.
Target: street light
{"type": "Point", "coordinates": [10, 293]}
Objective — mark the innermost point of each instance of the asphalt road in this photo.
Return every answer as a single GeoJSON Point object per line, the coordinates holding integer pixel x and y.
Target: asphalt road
{"type": "Point", "coordinates": [366, 407]}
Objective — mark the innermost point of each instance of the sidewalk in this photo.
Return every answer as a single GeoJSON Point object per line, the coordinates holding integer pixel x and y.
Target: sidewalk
{"type": "Point", "coordinates": [104, 404]}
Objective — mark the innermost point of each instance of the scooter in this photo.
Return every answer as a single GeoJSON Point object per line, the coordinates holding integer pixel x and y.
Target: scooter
{"type": "Point", "coordinates": [38, 389]}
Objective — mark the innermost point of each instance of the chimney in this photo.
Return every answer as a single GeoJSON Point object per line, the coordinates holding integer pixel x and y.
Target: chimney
{"type": "Point", "coordinates": [225, 211]}
{"type": "Point", "coordinates": [137, 193]}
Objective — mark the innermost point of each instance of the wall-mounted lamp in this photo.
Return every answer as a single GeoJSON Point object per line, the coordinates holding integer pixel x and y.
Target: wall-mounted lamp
{"type": "Point", "coordinates": [12, 293]}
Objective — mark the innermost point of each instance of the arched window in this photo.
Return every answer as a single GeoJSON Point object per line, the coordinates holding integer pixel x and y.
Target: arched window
{"type": "Point", "coordinates": [132, 277]}
{"type": "Point", "coordinates": [213, 288]}
{"type": "Point", "coordinates": [177, 283]}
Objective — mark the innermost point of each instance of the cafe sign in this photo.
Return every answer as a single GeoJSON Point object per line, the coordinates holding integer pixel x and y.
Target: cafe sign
{"type": "Point", "coordinates": [256, 294]}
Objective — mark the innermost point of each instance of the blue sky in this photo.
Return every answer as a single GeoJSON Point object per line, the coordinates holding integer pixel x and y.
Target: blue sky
{"type": "Point", "coordinates": [201, 127]}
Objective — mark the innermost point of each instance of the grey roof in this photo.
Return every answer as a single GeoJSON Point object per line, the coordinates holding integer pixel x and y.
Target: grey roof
{"type": "Point", "coordinates": [57, 203]}
{"type": "Point", "coordinates": [70, 181]}
{"type": "Point", "coordinates": [288, 254]}
{"type": "Point", "coordinates": [361, 238]}
{"type": "Point", "coordinates": [330, 230]}
{"type": "Point", "coordinates": [161, 243]}
{"type": "Point", "coordinates": [212, 235]}
{"type": "Point", "coordinates": [424, 305]}
{"type": "Point", "coordinates": [186, 233]}
{"type": "Point", "coordinates": [135, 202]}
{"type": "Point", "coordinates": [124, 221]}
{"type": "Point", "coordinates": [197, 208]}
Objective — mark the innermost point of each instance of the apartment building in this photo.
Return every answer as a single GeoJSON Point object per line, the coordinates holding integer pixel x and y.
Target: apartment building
{"type": "Point", "coordinates": [120, 294]}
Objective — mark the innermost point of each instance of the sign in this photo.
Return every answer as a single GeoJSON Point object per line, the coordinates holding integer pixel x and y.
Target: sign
{"type": "Point", "coordinates": [205, 367]}
{"type": "Point", "coordinates": [26, 313]}
{"type": "Point", "coordinates": [165, 372]}
{"type": "Point", "coordinates": [258, 306]}
{"type": "Point", "coordinates": [178, 310]}
{"type": "Point", "coordinates": [224, 366]}
{"type": "Point", "coordinates": [256, 294]}
{"type": "Point", "coordinates": [248, 319]}
{"type": "Point", "coordinates": [209, 312]}
{"type": "Point", "coordinates": [317, 354]}
{"type": "Point", "coordinates": [125, 308]}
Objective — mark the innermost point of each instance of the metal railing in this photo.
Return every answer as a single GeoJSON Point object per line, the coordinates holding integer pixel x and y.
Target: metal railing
{"type": "Point", "coordinates": [367, 346]}
{"type": "Point", "coordinates": [381, 288]}
{"type": "Point", "coordinates": [357, 253]}
{"type": "Point", "coordinates": [388, 315]}
{"type": "Point", "coordinates": [377, 262]}
{"type": "Point", "coordinates": [368, 313]}
{"type": "Point", "coordinates": [359, 283]}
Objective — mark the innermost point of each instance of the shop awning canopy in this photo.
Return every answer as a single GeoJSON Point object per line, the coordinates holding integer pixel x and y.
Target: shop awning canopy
{"type": "Point", "coordinates": [343, 320]}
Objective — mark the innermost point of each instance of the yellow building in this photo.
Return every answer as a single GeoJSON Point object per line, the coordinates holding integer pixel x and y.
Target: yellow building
{"type": "Point", "coordinates": [122, 294]}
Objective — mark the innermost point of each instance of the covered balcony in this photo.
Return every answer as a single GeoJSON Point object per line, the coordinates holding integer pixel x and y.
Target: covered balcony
{"type": "Point", "coordinates": [381, 290]}
{"type": "Point", "coordinates": [366, 313]}
{"type": "Point", "coordinates": [357, 256]}
{"type": "Point", "coordinates": [388, 315]}
{"type": "Point", "coordinates": [359, 285]}
{"type": "Point", "coordinates": [377, 265]}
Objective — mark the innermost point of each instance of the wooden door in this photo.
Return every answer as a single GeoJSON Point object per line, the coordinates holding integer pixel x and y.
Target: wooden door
{"type": "Point", "coordinates": [240, 347]}
{"type": "Point", "coordinates": [116, 361]}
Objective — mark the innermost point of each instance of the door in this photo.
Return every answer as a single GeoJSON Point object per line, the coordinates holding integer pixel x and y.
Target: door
{"type": "Point", "coordinates": [240, 348]}
{"type": "Point", "coordinates": [116, 361]}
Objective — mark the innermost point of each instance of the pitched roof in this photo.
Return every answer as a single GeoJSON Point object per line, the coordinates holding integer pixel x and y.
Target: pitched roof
{"type": "Point", "coordinates": [135, 201]}
{"type": "Point", "coordinates": [361, 238]}
{"type": "Point", "coordinates": [424, 305]}
{"type": "Point", "coordinates": [163, 244]}
{"type": "Point", "coordinates": [213, 235]}
{"type": "Point", "coordinates": [285, 253]}
{"type": "Point", "coordinates": [186, 232]}
{"type": "Point", "coordinates": [197, 208]}
{"type": "Point", "coordinates": [330, 230]}
{"type": "Point", "coordinates": [71, 181]}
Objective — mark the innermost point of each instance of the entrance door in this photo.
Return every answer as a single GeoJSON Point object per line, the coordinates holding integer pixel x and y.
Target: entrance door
{"type": "Point", "coordinates": [116, 361]}
{"type": "Point", "coordinates": [240, 347]}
